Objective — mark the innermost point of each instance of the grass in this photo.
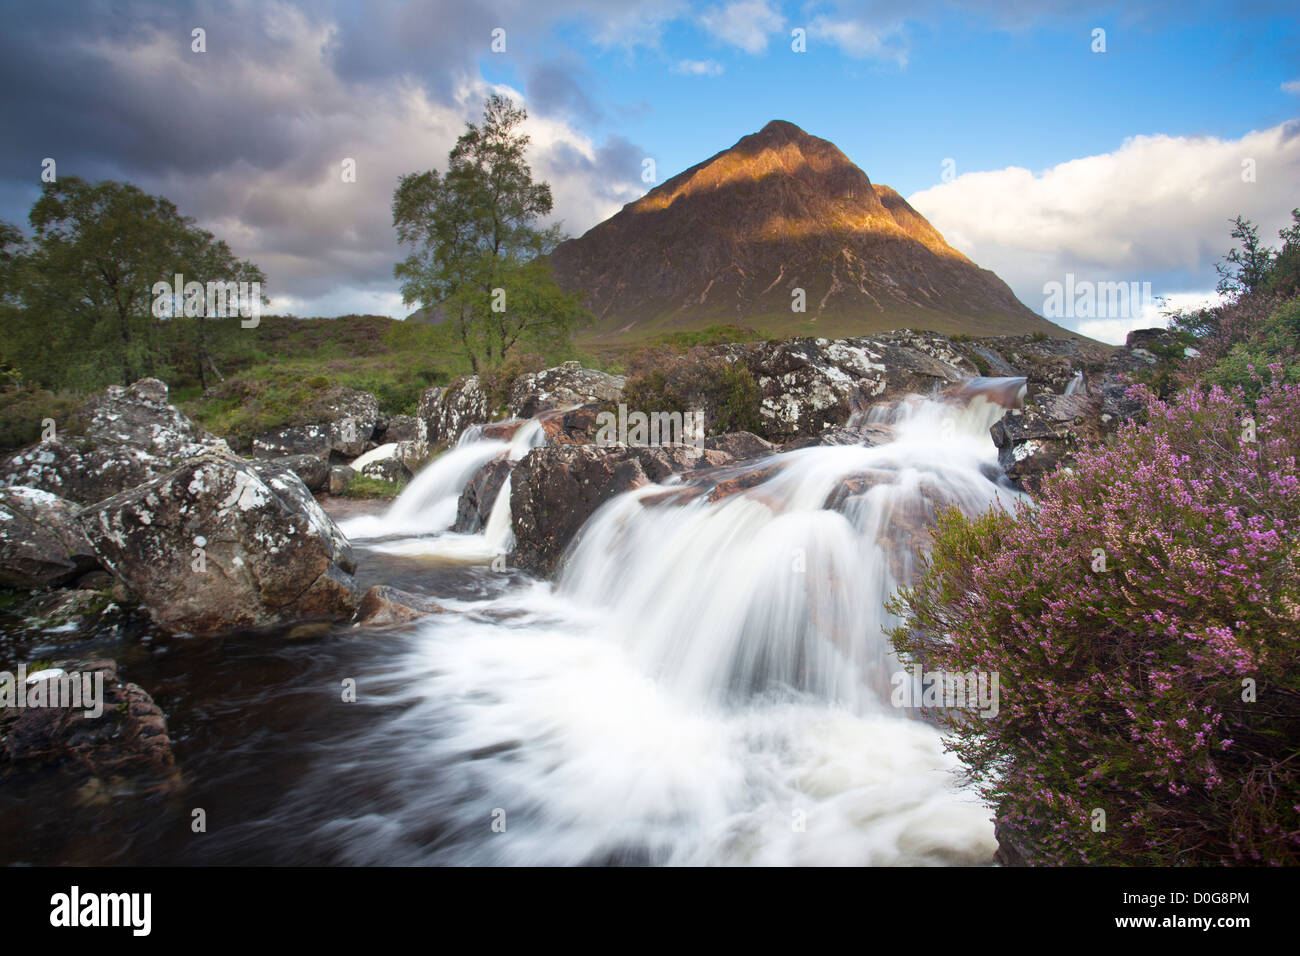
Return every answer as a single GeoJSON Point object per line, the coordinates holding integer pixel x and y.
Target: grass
{"type": "Point", "coordinates": [363, 486]}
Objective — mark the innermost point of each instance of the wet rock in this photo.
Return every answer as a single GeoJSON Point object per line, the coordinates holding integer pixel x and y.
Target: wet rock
{"type": "Point", "coordinates": [480, 495]}
{"type": "Point", "coordinates": [387, 469]}
{"type": "Point", "coordinates": [562, 386]}
{"type": "Point", "coordinates": [217, 544]}
{"type": "Point", "coordinates": [384, 606]}
{"type": "Point", "coordinates": [339, 478]}
{"type": "Point", "coordinates": [313, 471]}
{"type": "Point", "coordinates": [555, 489]}
{"type": "Point", "coordinates": [41, 541]}
{"type": "Point", "coordinates": [869, 435]}
{"type": "Point", "coordinates": [446, 412]}
{"type": "Point", "coordinates": [1045, 436]}
{"type": "Point", "coordinates": [128, 738]}
{"type": "Point", "coordinates": [740, 445]}
{"type": "Point", "coordinates": [117, 440]}
{"type": "Point", "coordinates": [575, 426]}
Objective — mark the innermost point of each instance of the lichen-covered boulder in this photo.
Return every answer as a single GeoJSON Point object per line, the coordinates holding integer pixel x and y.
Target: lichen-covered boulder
{"type": "Point", "coordinates": [446, 412]}
{"type": "Point", "coordinates": [1045, 435]}
{"type": "Point", "coordinates": [41, 542]}
{"type": "Point", "coordinates": [218, 544]}
{"type": "Point", "coordinates": [562, 387]}
{"type": "Point", "coordinates": [117, 440]}
{"type": "Point", "coordinates": [343, 424]}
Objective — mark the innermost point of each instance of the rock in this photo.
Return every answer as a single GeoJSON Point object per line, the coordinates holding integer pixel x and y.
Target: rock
{"type": "Point", "coordinates": [41, 542]}
{"type": "Point", "coordinates": [576, 426]}
{"type": "Point", "coordinates": [563, 386]}
{"type": "Point", "coordinates": [446, 412]}
{"type": "Point", "coordinates": [127, 739]}
{"type": "Point", "coordinates": [345, 421]}
{"type": "Point", "coordinates": [266, 552]}
{"type": "Point", "coordinates": [387, 469]}
{"type": "Point", "coordinates": [555, 489]}
{"type": "Point", "coordinates": [383, 606]}
{"type": "Point", "coordinates": [117, 440]}
{"type": "Point", "coordinates": [399, 428]}
{"type": "Point", "coordinates": [1008, 852]}
{"type": "Point", "coordinates": [73, 614]}
{"type": "Point", "coordinates": [313, 471]}
{"type": "Point", "coordinates": [740, 445]}
{"type": "Point", "coordinates": [870, 435]}
{"type": "Point", "coordinates": [480, 494]}
{"type": "Point", "coordinates": [413, 455]}
{"type": "Point", "coordinates": [339, 479]}
{"type": "Point", "coordinates": [1034, 443]}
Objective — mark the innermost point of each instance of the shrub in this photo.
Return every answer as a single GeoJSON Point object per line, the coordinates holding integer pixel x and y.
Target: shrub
{"type": "Point", "coordinates": [1123, 682]}
{"type": "Point", "coordinates": [497, 380]}
{"type": "Point", "coordinates": [23, 409]}
{"type": "Point", "coordinates": [663, 381]}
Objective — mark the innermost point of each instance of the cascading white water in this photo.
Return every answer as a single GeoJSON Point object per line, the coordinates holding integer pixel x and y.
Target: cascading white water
{"type": "Point", "coordinates": [706, 683]}
{"type": "Point", "coordinates": [428, 504]}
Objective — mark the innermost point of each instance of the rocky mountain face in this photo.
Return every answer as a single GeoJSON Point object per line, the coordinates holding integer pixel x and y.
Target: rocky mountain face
{"type": "Point", "coordinates": [732, 239]}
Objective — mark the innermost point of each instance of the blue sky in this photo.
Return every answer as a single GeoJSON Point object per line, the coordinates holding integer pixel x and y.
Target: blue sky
{"type": "Point", "coordinates": [1122, 165]}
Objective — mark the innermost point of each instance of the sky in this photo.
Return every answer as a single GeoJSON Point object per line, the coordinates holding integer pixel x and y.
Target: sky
{"type": "Point", "coordinates": [1040, 147]}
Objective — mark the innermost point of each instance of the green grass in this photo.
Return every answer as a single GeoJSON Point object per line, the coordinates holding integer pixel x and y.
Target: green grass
{"type": "Point", "coordinates": [363, 486]}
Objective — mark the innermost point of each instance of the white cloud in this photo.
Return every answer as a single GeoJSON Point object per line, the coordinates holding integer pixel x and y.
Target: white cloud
{"type": "Point", "coordinates": [698, 67]}
{"type": "Point", "coordinates": [1158, 209]}
{"type": "Point", "coordinates": [1291, 86]}
{"type": "Point", "coordinates": [1153, 316]}
{"type": "Point", "coordinates": [860, 38]}
{"type": "Point", "coordinates": [746, 24]}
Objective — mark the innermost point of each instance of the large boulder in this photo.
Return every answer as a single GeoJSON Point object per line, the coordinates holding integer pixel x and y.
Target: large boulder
{"type": "Point", "coordinates": [562, 387]}
{"type": "Point", "coordinates": [446, 412]}
{"type": "Point", "coordinates": [41, 542]}
{"type": "Point", "coordinates": [343, 423]}
{"type": "Point", "coordinates": [126, 739]}
{"type": "Point", "coordinates": [1045, 435]}
{"type": "Point", "coordinates": [117, 440]}
{"type": "Point", "coordinates": [218, 544]}
{"type": "Point", "coordinates": [809, 385]}
{"type": "Point", "coordinates": [398, 428]}
{"type": "Point", "coordinates": [555, 489]}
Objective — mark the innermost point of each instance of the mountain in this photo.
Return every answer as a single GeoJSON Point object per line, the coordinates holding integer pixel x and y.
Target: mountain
{"type": "Point", "coordinates": [728, 241]}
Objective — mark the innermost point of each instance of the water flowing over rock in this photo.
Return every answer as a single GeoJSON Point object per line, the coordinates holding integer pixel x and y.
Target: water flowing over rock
{"type": "Point", "coordinates": [563, 386]}
{"type": "Point", "coordinates": [445, 413]}
{"type": "Point", "coordinates": [118, 439]}
{"type": "Point", "coordinates": [265, 550]}
{"type": "Point", "coordinates": [475, 505]}
{"type": "Point", "coordinates": [41, 542]}
{"type": "Point", "coordinates": [554, 490]}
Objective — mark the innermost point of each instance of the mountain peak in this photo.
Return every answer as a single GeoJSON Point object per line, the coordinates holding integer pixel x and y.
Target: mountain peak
{"type": "Point", "coordinates": [732, 239]}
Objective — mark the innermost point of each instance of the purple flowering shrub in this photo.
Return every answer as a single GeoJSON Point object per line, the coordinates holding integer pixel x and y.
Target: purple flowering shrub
{"type": "Point", "coordinates": [1144, 618]}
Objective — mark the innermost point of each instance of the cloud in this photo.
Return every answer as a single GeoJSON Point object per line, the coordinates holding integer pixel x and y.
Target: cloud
{"type": "Point", "coordinates": [1291, 86]}
{"type": "Point", "coordinates": [249, 137]}
{"type": "Point", "coordinates": [862, 40]}
{"type": "Point", "coordinates": [1157, 209]}
{"type": "Point", "coordinates": [746, 24]}
{"type": "Point", "coordinates": [698, 67]}
{"type": "Point", "coordinates": [1153, 315]}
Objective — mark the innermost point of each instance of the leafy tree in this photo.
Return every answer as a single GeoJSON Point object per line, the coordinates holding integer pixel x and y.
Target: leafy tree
{"type": "Point", "coordinates": [86, 286]}
{"type": "Point", "coordinates": [479, 257]}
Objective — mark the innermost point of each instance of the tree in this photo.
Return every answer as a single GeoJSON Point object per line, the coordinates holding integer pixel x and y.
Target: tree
{"type": "Point", "coordinates": [478, 256]}
{"type": "Point", "coordinates": [1244, 270]}
{"type": "Point", "coordinates": [86, 286]}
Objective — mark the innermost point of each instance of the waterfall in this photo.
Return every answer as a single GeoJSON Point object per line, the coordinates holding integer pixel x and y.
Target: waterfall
{"type": "Point", "coordinates": [707, 682]}
{"type": "Point", "coordinates": [768, 589]}
{"type": "Point", "coordinates": [428, 504]}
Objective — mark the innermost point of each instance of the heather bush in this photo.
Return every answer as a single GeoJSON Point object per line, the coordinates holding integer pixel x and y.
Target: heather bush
{"type": "Point", "coordinates": [1144, 619]}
